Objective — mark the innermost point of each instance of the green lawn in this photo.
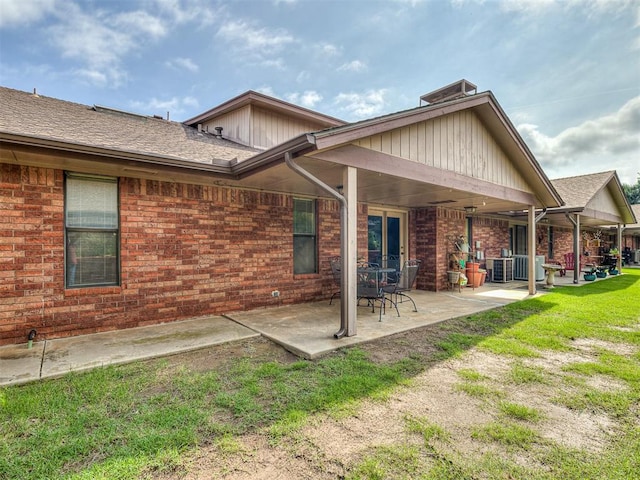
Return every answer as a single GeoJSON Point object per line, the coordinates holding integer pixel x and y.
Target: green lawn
{"type": "Point", "coordinates": [145, 419]}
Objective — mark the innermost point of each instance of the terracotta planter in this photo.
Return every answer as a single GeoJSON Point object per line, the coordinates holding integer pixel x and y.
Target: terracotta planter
{"type": "Point", "coordinates": [474, 275]}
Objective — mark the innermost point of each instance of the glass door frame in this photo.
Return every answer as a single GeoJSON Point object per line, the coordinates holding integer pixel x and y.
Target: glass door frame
{"type": "Point", "coordinates": [387, 213]}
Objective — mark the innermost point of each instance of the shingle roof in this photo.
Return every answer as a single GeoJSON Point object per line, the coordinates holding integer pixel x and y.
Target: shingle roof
{"type": "Point", "coordinates": [578, 191]}
{"type": "Point", "coordinates": [36, 116]}
{"type": "Point", "coordinates": [636, 212]}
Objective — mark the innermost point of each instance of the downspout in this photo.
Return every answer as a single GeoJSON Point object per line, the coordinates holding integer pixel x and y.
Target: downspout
{"type": "Point", "coordinates": [343, 237]}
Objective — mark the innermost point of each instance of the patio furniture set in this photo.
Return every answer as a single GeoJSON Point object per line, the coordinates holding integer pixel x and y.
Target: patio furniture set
{"type": "Point", "coordinates": [593, 266]}
{"type": "Point", "coordinates": [381, 283]}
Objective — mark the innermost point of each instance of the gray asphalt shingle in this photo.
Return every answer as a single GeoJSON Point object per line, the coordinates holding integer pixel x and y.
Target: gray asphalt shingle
{"type": "Point", "coordinates": [26, 114]}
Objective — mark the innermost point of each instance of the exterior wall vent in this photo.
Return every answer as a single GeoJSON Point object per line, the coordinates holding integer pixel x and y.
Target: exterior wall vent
{"type": "Point", "coordinates": [457, 89]}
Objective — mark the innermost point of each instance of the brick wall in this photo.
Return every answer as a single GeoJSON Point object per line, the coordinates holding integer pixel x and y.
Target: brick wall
{"type": "Point", "coordinates": [31, 249]}
{"type": "Point", "coordinates": [186, 251]}
{"type": "Point", "coordinates": [430, 237]}
{"type": "Point", "coordinates": [493, 235]}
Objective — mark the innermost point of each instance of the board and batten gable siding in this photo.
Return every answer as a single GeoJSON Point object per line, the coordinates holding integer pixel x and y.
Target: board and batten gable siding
{"type": "Point", "coordinates": [235, 125]}
{"type": "Point", "coordinates": [272, 128]}
{"type": "Point", "coordinates": [458, 142]}
{"type": "Point", "coordinates": [604, 202]}
{"type": "Point", "coordinates": [259, 127]}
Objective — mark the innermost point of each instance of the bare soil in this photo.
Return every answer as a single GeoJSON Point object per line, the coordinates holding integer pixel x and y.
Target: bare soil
{"type": "Point", "coordinates": [329, 445]}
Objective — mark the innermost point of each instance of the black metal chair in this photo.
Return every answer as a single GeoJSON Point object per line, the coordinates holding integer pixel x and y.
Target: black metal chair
{"type": "Point", "coordinates": [370, 287]}
{"type": "Point", "coordinates": [336, 271]}
{"type": "Point", "coordinates": [391, 261]}
{"type": "Point", "coordinates": [406, 279]}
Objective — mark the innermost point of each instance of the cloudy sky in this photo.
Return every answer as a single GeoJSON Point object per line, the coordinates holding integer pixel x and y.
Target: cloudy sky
{"type": "Point", "coordinates": [566, 72]}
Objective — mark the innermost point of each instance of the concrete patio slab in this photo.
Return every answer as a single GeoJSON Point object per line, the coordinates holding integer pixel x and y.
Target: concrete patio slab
{"type": "Point", "coordinates": [306, 330]}
{"type": "Point", "coordinates": [53, 358]}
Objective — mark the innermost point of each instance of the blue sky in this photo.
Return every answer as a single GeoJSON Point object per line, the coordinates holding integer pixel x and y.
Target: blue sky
{"type": "Point", "coordinates": [567, 73]}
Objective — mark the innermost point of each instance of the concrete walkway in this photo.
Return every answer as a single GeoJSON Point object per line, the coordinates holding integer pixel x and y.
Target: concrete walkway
{"type": "Point", "coordinates": [306, 330]}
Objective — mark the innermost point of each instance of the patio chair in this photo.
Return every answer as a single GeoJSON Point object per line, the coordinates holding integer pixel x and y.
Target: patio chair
{"type": "Point", "coordinates": [391, 261]}
{"type": "Point", "coordinates": [370, 287]}
{"type": "Point", "coordinates": [406, 279]}
{"type": "Point", "coordinates": [336, 271]}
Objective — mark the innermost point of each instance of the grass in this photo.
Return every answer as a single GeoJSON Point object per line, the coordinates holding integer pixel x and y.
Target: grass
{"type": "Point", "coordinates": [517, 411]}
{"type": "Point", "coordinates": [509, 434]}
{"type": "Point", "coordinates": [148, 418]}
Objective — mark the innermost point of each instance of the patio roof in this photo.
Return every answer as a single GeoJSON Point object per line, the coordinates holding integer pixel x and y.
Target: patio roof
{"type": "Point", "coordinates": [408, 179]}
{"type": "Point", "coordinates": [37, 130]}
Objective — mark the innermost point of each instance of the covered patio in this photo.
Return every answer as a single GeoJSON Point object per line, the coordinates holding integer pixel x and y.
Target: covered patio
{"type": "Point", "coordinates": [303, 329]}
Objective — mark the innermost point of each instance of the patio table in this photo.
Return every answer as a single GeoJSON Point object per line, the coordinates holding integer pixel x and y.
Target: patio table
{"type": "Point", "coordinates": [370, 282]}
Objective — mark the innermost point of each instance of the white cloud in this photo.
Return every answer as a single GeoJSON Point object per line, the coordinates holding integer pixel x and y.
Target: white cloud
{"type": "Point", "coordinates": [303, 77]}
{"type": "Point", "coordinates": [141, 23]}
{"type": "Point", "coordinates": [243, 36]}
{"type": "Point", "coordinates": [589, 8]}
{"type": "Point", "coordinates": [308, 99]}
{"type": "Point", "coordinates": [353, 66]}
{"type": "Point", "coordinates": [99, 40]}
{"type": "Point", "coordinates": [21, 12]}
{"type": "Point", "coordinates": [266, 90]}
{"type": "Point", "coordinates": [155, 106]}
{"type": "Point", "coordinates": [91, 41]}
{"type": "Point", "coordinates": [362, 105]}
{"type": "Point", "coordinates": [329, 50]}
{"type": "Point", "coordinates": [182, 63]}
{"type": "Point", "coordinates": [606, 143]}
{"type": "Point", "coordinates": [202, 12]}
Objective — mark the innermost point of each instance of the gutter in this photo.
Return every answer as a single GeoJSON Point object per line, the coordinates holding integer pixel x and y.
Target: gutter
{"type": "Point", "coordinates": [218, 166]}
{"type": "Point", "coordinates": [288, 159]}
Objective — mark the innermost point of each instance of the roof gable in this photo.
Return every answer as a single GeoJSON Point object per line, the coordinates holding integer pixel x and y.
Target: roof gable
{"type": "Point", "coordinates": [485, 109]}
{"type": "Point", "coordinates": [598, 195]}
{"type": "Point", "coordinates": [269, 103]}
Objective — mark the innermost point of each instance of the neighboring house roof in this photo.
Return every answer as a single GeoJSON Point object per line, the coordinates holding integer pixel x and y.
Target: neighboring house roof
{"type": "Point", "coordinates": [634, 228]}
{"type": "Point", "coordinates": [255, 98]}
{"type": "Point", "coordinates": [52, 122]}
{"type": "Point", "coordinates": [598, 196]}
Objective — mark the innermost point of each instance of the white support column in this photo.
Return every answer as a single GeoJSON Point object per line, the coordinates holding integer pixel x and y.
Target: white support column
{"type": "Point", "coordinates": [531, 249]}
{"type": "Point", "coordinates": [576, 249]}
{"type": "Point", "coordinates": [619, 263]}
{"type": "Point", "coordinates": [350, 293]}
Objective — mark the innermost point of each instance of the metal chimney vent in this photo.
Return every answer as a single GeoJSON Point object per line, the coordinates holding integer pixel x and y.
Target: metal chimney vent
{"type": "Point", "coordinates": [457, 89]}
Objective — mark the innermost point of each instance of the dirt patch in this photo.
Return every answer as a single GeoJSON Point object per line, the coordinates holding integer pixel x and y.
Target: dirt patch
{"type": "Point", "coordinates": [591, 345]}
{"type": "Point", "coordinates": [329, 446]}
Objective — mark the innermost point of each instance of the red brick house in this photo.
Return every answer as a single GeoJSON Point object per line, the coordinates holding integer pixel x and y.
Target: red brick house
{"type": "Point", "coordinates": [113, 220]}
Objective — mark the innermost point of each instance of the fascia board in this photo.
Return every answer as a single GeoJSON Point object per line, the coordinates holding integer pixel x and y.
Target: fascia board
{"type": "Point", "coordinates": [218, 166]}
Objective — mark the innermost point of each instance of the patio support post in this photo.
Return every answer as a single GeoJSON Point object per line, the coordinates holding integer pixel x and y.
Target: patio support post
{"type": "Point", "coordinates": [348, 240]}
{"type": "Point", "coordinates": [576, 249]}
{"type": "Point", "coordinates": [619, 241]}
{"type": "Point", "coordinates": [349, 250]}
{"type": "Point", "coordinates": [531, 248]}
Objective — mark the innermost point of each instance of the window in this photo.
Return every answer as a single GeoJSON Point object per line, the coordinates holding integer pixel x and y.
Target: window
{"type": "Point", "coordinates": [91, 231]}
{"type": "Point", "coordinates": [304, 236]}
{"type": "Point", "coordinates": [550, 253]}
